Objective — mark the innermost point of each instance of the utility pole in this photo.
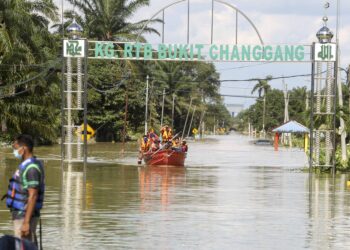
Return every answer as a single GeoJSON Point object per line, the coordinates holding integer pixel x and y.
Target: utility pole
{"type": "Point", "coordinates": [264, 111]}
{"type": "Point", "coordinates": [161, 119]}
{"type": "Point", "coordinates": [201, 125]}
{"type": "Point", "coordinates": [348, 83]}
{"type": "Point", "coordinates": [342, 128]}
{"type": "Point", "coordinates": [125, 115]}
{"type": "Point", "coordinates": [173, 112]}
{"type": "Point", "coordinates": [146, 104]}
{"type": "Point", "coordinates": [188, 112]}
{"type": "Point", "coordinates": [189, 128]}
{"type": "Point", "coordinates": [201, 122]}
{"type": "Point", "coordinates": [214, 125]}
{"type": "Point", "coordinates": [286, 112]}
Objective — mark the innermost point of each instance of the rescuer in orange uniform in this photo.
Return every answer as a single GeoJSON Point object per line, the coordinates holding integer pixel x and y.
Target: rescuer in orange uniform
{"type": "Point", "coordinates": [145, 146]}
{"type": "Point", "coordinates": [166, 133]}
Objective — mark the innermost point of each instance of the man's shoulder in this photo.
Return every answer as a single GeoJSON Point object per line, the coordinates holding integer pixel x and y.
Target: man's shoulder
{"type": "Point", "coordinates": [33, 173]}
{"type": "Point", "coordinates": [33, 167]}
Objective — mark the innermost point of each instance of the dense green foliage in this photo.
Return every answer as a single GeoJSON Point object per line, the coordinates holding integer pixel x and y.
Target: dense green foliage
{"type": "Point", "coordinates": [30, 79]}
{"type": "Point", "coordinates": [27, 64]}
{"type": "Point", "coordinates": [298, 109]}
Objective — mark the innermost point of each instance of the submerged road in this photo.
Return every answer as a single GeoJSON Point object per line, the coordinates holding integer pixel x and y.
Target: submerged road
{"type": "Point", "coordinates": [231, 195]}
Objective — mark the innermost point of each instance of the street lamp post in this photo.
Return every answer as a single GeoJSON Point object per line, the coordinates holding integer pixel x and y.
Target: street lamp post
{"type": "Point", "coordinates": [74, 31]}
{"type": "Point", "coordinates": [324, 54]}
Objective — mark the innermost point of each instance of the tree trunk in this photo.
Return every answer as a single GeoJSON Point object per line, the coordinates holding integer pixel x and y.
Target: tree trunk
{"type": "Point", "coordinates": [3, 126]}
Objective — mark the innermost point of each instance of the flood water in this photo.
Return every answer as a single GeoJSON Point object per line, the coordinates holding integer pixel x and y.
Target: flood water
{"type": "Point", "coordinates": [231, 195]}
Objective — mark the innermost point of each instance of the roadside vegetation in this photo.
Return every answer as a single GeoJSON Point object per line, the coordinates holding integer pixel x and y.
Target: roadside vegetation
{"type": "Point", "coordinates": [30, 74]}
{"type": "Point", "coordinates": [299, 110]}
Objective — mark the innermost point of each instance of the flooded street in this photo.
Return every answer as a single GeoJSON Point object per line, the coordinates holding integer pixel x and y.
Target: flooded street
{"type": "Point", "coordinates": [231, 195]}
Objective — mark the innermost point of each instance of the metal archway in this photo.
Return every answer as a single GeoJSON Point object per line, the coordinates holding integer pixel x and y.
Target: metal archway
{"type": "Point", "coordinates": [235, 8]}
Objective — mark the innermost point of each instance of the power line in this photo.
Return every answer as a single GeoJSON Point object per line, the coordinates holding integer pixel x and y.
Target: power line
{"type": "Point", "coordinates": [24, 91]}
{"type": "Point", "coordinates": [241, 96]}
{"type": "Point", "coordinates": [244, 66]}
{"type": "Point", "coordinates": [237, 80]}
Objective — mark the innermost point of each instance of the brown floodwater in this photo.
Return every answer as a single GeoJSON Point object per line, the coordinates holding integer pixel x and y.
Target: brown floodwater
{"type": "Point", "coordinates": [231, 195]}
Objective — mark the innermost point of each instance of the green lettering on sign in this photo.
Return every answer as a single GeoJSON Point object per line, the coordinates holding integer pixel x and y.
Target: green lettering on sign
{"type": "Point", "coordinates": [138, 47]}
{"type": "Point", "coordinates": [161, 51]}
{"type": "Point", "coordinates": [200, 52]}
{"type": "Point", "coordinates": [257, 54]}
{"type": "Point", "coordinates": [172, 51]}
{"type": "Point", "coordinates": [299, 53]}
{"type": "Point", "coordinates": [73, 48]}
{"type": "Point", "coordinates": [98, 50]}
{"type": "Point", "coordinates": [199, 48]}
{"type": "Point", "coordinates": [278, 54]}
{"type": "Point", "coordinates": [268, 53]}
{"type": "Point", "coordinates": [326, 52]}
{"type": "Point", "coordinates": [147, 52]}
{"type": "Point", "coordinates": [289, 53]}
{"type": "Point", "coordinates": [246, 53]}
{"type": "Point", "coordinates": [213, 55]}
{"type": "Point", "coordinates": [109, 50]}
{"type": "Point", "coordinates": [224, 50]}
{"type": "Point", "coordinates": [235, 54]}
{"type": "Point", "coordinates": [183, 52]}
{"type": "Point", "coordinates": [127, 50]}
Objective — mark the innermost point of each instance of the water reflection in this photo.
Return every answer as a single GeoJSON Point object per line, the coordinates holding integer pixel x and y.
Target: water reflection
{"type": "Point", "coordinates": [159, 183]}
{"type": "Point", "coordinates": [329, 211]}
{"type": "Point", "coordinates": [72, 207]}
{"type": "Point", "coordinates": [237, 196]}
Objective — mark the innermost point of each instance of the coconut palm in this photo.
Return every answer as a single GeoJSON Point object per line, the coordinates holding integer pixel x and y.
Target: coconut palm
{"type": "Point", "coordinates": [24, 29]}
{"type": "Point", "coordinates": [110, 19]}
{"type": "Point", "coordinates": [263, 87]}
{"type": "Point", "coordinates": [25, 48]}
{"type": "Point", "coordinates": [182, 81]}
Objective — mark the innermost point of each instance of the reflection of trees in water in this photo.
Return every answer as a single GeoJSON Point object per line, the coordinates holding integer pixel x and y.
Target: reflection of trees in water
{"type": "Point", "coordinates": [268, 177]}
{"type": "Point", "coordinates": [156, 183]}
{"type": "Point", "coordinates": [267, 181]}
{"type": "Point", "coordinates": [329, 210]}
{"type": "Point", "coordinates": [168, 186]}
{"type": "Point", "coordinates": [113, 187]}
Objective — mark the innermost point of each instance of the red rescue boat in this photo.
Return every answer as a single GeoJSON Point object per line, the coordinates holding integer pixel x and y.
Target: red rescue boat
{"type": "Point", "coordinates": [165, 157]}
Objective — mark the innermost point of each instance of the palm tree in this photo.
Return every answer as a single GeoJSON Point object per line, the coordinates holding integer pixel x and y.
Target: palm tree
{"type": "Point", "coordinates": [109, 19]}
{"type": "Point", "coordinates": [26, 46]}
{"type": "Point", "coordinates": [24, 28]}
{"type": "Point", "coordinates": [185, 81]}
{"type": "Point", "coordinates": [263, 87]}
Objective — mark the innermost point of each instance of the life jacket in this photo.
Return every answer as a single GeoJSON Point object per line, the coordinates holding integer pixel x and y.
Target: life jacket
{"type": "Point", "coordinates": [170, 134]}
{"type": "Point", "coordinates": [166, 134]}
{"type": "Point", "coordinates": [17, 193]}
{"type": "Point", "coordinates": [145, 145]}
{"type": "Point", "coordinates": [176, 144]}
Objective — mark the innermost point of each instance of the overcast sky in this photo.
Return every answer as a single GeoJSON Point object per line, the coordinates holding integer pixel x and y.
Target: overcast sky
{"type": "Point", "coordinates": [278, 21]}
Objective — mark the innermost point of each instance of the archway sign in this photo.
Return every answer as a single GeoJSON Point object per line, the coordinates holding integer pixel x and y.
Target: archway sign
{"type": "Point", "coordinates": [187, 52]}
{"type": "Point", "coordinates": [318, 54]}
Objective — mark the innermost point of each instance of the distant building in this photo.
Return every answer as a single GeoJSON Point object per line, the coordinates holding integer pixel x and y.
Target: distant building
{"type": "Point", "coordinates": [234, 109]}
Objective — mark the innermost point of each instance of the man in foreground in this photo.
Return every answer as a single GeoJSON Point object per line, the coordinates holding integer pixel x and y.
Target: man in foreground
{"type": "Point", "coordinates": [25, 194]}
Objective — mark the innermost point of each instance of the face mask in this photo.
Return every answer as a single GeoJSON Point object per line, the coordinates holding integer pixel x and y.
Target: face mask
{"type": "Point", "coordinates": [16, 154]}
